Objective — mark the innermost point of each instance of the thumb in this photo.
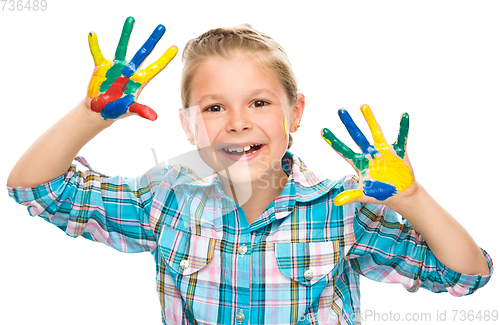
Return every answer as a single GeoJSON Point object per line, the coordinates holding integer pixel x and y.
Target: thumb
{"type": "Point", "coordinates": [347, 197]}
{"type": "Point", "coordinates": [143, 111]}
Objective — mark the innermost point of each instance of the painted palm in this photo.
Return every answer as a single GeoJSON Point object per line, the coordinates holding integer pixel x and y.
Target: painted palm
{"type": "Point", "coordinates": [384, 169]}
{"type": "Point", "coordinates": [115, 85]}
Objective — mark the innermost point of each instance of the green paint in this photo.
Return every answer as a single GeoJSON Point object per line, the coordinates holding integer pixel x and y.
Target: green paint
{"type": "Point", "coordinates": [121, 49]}
{"type": "Point", "coordinates": [337, 145]}
{"type": "Point", "coordinates": [112, 74]}
{"type": "Point", "coordinates": [358, 160]}
{"type": "Point", "coordinates": [132, 87]}
{"type": "Point", "coordinates": [400, 144]}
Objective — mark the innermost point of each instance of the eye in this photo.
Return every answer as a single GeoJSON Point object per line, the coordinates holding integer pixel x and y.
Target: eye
{"type": "Point", "coordinates": [214, 109]}
{"type": "Point", "coordinates": [259, 103]}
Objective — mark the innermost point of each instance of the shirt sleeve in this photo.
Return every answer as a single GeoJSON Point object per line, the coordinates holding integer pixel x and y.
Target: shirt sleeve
{"type": "Point", "coordinates": [388, 248]}
{"type": "Point", "coordinates": [109, 210]}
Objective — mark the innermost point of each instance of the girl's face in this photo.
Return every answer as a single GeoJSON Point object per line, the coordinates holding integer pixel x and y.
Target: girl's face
{"type": "Point", "coordinates": [243, 117]}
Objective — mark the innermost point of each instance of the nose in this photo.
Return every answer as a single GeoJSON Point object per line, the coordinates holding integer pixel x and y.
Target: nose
{"type": "Point", "coordinates": [238, 121]}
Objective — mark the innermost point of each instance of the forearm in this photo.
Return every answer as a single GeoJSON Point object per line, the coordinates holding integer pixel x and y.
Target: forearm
{"type": "Point", "coordinates": [52, 153]}
{"type": "Point", "coordinates": [447, 239]}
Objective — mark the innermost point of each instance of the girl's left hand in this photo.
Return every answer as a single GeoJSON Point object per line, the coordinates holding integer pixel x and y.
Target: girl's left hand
{"type": "Point", "coordinates": [384, 171]}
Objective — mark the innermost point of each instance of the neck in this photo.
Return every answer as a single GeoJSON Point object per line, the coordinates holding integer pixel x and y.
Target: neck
{"type": "Point", "coordinates": [255, 197]}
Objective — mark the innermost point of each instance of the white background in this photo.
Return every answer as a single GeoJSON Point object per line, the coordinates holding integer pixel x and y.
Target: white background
{"type": "Point", "coordinates": [439, 61]}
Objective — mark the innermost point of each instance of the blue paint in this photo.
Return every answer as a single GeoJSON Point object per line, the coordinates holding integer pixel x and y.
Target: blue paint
{"type": "Point", "coordinates": [144, 51]}
{"type": "Point", "coordinates": [378, 190]}
{"type": "Point", "coordinates": [356, 134]}
{"type": "Point", "coordinates": [117, 108]}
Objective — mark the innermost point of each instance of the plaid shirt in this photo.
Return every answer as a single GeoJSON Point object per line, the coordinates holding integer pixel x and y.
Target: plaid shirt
{"type": "Point", "coordinates": [298, 263]}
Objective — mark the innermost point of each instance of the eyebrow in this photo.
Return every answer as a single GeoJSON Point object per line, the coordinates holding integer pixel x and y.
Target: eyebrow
{"type": "Point", "coordinates": [253, 93]}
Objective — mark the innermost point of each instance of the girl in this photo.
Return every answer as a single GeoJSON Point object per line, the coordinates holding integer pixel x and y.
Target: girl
{"type": "Point", "coordinates": [262, 240]}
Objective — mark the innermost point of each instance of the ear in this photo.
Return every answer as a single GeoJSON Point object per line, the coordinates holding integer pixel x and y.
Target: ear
{"type": "Point", "coordinates": [298, 110]}
{"type": "Point", "coordinates": [185, 125]}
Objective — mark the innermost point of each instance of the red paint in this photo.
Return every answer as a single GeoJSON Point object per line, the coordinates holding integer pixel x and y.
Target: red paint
{"type": "Point", "coordinates": [114, 92]}
{"type": "Point", "coordinates": [143, 110]}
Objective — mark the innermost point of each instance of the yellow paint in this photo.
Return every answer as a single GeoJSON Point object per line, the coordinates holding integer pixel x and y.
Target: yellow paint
{"type": "Point", "coordinates": [101, 67]}
{"type": "Point", "coordinates": [347, 196]}
{"type": "Point", "coordinates": [378, 137]}
{"type": "Point", "coordinates": [389, 169]}
{"type": "Point", "coordinates": [284, 128]}
{"type": "Point", "coordinates": [95, 50]}
{"type": "Point", "coordinates": [144, 75]}
{"type": "Point", "coordinates": [386, 167]}
{"type": "Point", "coordinates": [328, 141]}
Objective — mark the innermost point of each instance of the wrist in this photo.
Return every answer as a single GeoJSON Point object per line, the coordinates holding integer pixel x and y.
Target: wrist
{"type": "Point", "coordinates": [409, 200]}
{"type": "Point", "coordinates": [92, 118]}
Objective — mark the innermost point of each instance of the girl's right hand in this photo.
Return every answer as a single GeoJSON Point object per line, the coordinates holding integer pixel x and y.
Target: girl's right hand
{"type": "Point", "coordinates": [115, 85]}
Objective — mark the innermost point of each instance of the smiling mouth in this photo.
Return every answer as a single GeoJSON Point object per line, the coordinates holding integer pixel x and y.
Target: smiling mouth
{"type": "Point", "coordinates": [241, 151]}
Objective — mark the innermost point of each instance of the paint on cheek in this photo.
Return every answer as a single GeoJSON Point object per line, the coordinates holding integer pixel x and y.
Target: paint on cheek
{"type": "Point", "coordinates": [389, 169]}
{"type": "Point", "coordinates": [284, 129]}
{"type": "Point", "coordinates": [378, 190]}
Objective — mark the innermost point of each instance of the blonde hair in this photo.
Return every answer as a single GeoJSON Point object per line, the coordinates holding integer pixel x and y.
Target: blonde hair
{"type": "Point", "coordinates": [225, 43]}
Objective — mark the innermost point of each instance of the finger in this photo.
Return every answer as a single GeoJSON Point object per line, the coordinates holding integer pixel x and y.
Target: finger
{"type": "Point", "coordinates": [95, 50]}
{"type": "Point", "coordinates": [143, 111]}
{"type": "Point", "coordinates": [378, 137]}
{"type": "Point", "coordinates": [145, 75]}
{"type": "Point", "coordinates": [356, 133]}
{"type": "Point", "coordinates": [144, 51]}
{"type": "Point", "coordinates": [336, 144]}
{"type": "Point", "coordinates": [357, 160]}
{"type": "Point", "coordinates": [121, 49]}
{"type": "Point", "coordinates": [347, 196]}
{"type": "Point", "coordinates": [400, 144]}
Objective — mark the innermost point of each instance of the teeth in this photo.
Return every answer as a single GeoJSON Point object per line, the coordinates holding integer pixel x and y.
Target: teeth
{"type": "Point", "coordinates": [240, 149]}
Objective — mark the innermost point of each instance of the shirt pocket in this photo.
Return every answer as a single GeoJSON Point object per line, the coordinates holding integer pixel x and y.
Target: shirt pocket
{"type": "Point", "coordinates": [307, 262]}
{"type": "Point", "coordinates": [185, 253]}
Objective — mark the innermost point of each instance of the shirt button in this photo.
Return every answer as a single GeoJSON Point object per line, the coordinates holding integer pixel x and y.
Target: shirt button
{"type": "Point", "coordinates": [242, 249]}
{"type": "Point", "coordinates": [308, 274]}
{"type": "Point", "coordinates": [184, 264]}
{"type": "Point", "coordinates": [240, 317]}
